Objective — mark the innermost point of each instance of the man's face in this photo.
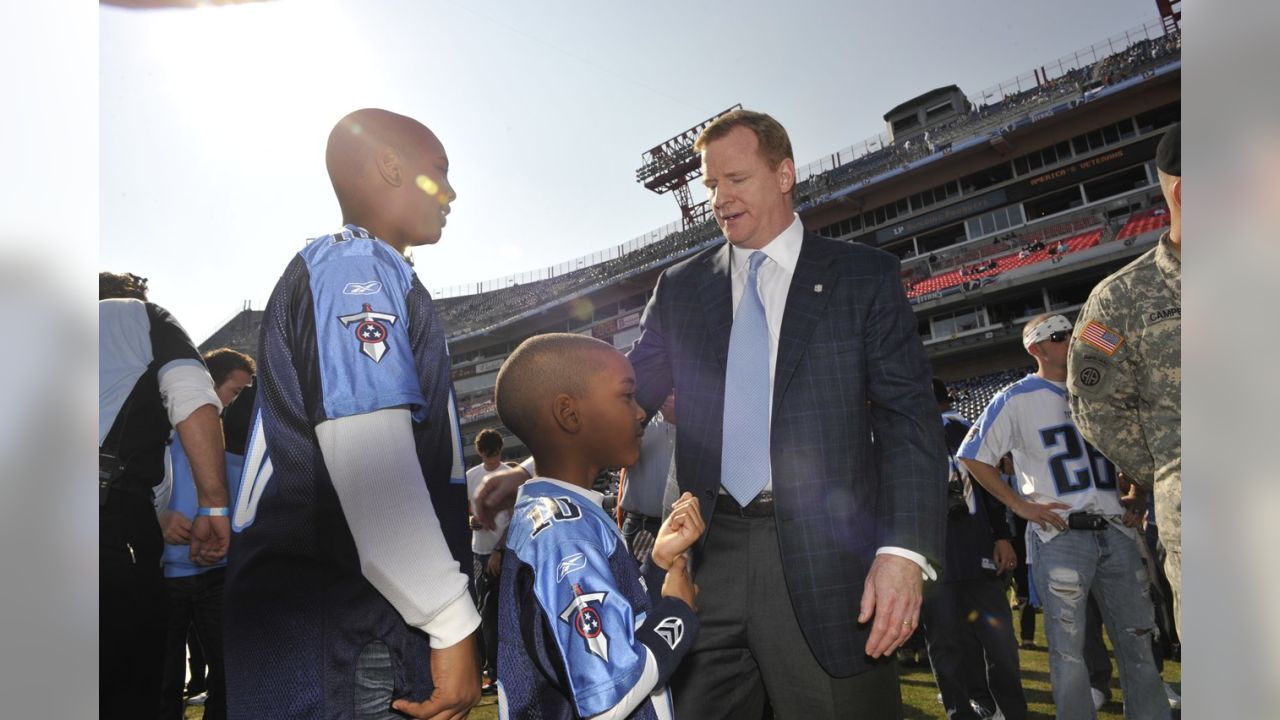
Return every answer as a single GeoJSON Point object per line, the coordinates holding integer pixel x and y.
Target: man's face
{"type": "Point", "coordinates": [750, 199]}
{"type": "Point", "coordinates": [426, 192]}
{"type": "Point", "coordinates": [491, 459]}
{"type": "Point", "coordinates": [232, 385]}
{"type": "Point", "coordinates": [611, 418]}
{"type": "Point", "coordinates": [1054, 354]}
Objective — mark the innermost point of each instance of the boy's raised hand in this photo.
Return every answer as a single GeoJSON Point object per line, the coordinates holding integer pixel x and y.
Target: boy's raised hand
{"type": "Point", "coordinates": [678, 584]}
{"type": "Point", "coordinates": [680, 531]}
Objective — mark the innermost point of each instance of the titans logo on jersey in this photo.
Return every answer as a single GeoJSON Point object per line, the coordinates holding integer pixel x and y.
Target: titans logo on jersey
{"type": "Point", "coordinates": [577, 635]}
{"type": "Point", "coordinates": [371, 332]}
{"type": "Point", "coordinates": [583, 613]}
{"type": "Point", "coordinates": [1030, 418]}
{"type": "Point", "coordinates": [349, 329]}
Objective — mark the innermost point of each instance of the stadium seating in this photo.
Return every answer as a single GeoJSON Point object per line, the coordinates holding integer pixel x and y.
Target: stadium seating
{"type": "Point", "coordinates": [972, 395]}
{"type": "Point", "coordinates": [1005, 263]}
{"type": "Point", "coordinates": [470, 313]}
{"type": "Point", "coordinates": [1144, 222]}
{"type": "Point", "coordinates": [477, 407]}
{"type": "Point", "coordinates": [1128, 62]}
{"type": "Point", "coordinates": [464, 315]}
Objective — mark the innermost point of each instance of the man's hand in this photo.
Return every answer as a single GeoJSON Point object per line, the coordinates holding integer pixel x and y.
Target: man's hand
{"type": "Point", "coordinates": [210, 537]}
{"type": "Point", "coordinates": [678, 584]}
{"type": "Point", "coordinates": [473, 523]}
{"type": "Point", "coordinates": [1134, 517]}
{"type": "Point", "coordinates": [496, 493]}
{"type": "Point", "coordinates": [1004, 557]}
{"type": "Point", "coordinates": [892, 594]}
{"type": "Point", "coordinates": [175, 527]}
{"type": "Point", "coordinates": [679, 532]}
{"type": "Point", "coordinates": [494, 566]}
{"type": "Point", "coordinates": [455, 672]}
{"type": "Point", "coordinates": [1132, 495]}
{"type": "Point", "coordinates": [1041, 513]}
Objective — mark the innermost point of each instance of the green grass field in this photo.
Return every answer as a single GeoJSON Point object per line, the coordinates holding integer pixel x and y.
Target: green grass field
{"type": "Point", "coordinates": [919, 693]}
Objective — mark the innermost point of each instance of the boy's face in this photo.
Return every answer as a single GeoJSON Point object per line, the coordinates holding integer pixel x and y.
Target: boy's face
{"type": "Point", "coordinates": [426, 194]}
{"type": "Point", "coordinates": [611, 419]}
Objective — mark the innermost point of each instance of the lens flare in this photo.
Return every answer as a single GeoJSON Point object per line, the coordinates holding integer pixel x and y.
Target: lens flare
{"type": "Point", "coordinates": [428, 186]}
{"type": "Point", "coordinates": [582, 309]}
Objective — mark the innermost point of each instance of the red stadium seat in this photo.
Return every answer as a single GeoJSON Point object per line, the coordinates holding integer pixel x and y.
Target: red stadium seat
{"type": "Point", "coordinates": [1009, 261]}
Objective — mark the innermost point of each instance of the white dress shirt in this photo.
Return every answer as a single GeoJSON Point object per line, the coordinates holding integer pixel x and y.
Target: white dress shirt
{"type": "Point", "coordinates": [774, 282]}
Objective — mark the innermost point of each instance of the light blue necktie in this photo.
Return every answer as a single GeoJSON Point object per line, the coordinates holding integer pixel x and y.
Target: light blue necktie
{"type": "Point", "coordinates": [744, 459]}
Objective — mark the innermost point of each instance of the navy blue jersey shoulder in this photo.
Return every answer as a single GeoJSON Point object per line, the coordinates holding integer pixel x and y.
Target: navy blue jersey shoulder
{"type": "Point", "coordinates": [348, 330]}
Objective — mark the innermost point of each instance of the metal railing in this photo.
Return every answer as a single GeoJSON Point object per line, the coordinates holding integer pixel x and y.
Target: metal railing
{"type": "Point", "coordinates": [990, 108]}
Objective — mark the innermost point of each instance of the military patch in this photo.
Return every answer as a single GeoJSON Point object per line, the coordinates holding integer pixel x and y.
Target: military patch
{"type": "Point", "coordinates": [1165, 314]}
{"type": "Point", "coordinates": [1097, 335]}
{"type": "Point", "coordinates": [1089, 378]}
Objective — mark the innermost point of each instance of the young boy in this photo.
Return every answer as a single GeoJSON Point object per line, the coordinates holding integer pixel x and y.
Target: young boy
{"type": "Point", "coordinates": [577, 635]}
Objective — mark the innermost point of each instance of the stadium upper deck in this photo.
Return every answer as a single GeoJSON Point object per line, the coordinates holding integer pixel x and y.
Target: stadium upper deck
{"type": "Point", "coordinates": [975, 137]}
{"type": "Point", "coordinates": [1001, 205]}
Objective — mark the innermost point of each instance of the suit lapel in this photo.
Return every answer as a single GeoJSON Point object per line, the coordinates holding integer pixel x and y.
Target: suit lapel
{"type": "Point", "coordinates": [811, 284]}
{"type": "Point", "coordinates": [717, 301]}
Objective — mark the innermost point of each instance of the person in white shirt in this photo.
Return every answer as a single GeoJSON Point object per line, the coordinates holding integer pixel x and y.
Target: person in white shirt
{"type": "Point", "coordinates": [486, 548]}
{"type": "Point", "coordinates": [1080, 543]}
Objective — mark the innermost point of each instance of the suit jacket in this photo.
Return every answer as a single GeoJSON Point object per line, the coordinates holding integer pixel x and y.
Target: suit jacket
{"type": "Point", "coordinates": [857, 454]}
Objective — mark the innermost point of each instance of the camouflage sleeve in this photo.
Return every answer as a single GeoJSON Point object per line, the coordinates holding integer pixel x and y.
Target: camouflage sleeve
{"type": "Point", "coordinates": [1103, 389]}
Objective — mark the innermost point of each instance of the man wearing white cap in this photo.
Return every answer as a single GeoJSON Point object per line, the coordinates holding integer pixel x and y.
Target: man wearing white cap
{"type": "Point", "coordinates": [1080, 543]}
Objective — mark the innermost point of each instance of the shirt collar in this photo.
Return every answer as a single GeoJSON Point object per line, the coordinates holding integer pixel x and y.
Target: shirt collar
{"type": "Point", "coordinates": [351, 231]}
{"type": "Point", "coordinates": [591, 495]}
{"type": "Point", "coordinates": [784, 249]}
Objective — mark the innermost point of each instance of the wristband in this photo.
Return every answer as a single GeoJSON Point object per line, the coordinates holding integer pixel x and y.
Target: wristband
{"type": "Point", "coordinates": [211, 512]}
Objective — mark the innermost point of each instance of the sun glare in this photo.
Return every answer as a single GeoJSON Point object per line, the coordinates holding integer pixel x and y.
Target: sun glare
{"type": "Point", "coordinates": [268, 66]}
{"type": "Point", "coordinates": [427, 185]}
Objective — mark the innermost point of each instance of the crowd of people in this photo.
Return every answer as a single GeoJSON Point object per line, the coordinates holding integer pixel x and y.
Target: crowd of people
{"type": "Point", "coordinates": [1134, 59]}
{"type": "Point", "coordinates": [814, 503]}
{"type": "Point", "coordinates": [478, 311]}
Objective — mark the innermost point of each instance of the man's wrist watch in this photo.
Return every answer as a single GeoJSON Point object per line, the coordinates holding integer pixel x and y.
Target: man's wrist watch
{"type": "Point", "coordinates": [211, 512]}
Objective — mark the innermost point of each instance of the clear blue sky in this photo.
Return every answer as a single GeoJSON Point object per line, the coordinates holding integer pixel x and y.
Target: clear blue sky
{"type": "Point", "coordinates": [213, 121]}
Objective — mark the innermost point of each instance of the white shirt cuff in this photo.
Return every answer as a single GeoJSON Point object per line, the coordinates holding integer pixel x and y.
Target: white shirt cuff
{"type": "Point", "coordinates": [454, 623]}
{"type": "Point", "coordinates": [925, 568]}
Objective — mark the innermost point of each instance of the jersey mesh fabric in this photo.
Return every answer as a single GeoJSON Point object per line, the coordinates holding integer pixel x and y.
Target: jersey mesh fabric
{"type": "Point", "coordinates": [531, 664]}
{"type": "Point", "coordinates": [1031, 419]}
{"type": "Point", "coordinates": [298, 609]}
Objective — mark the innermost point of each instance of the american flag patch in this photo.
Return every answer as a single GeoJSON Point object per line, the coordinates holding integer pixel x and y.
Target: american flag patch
{"type": "Point", "coordinates": [1101, 337]}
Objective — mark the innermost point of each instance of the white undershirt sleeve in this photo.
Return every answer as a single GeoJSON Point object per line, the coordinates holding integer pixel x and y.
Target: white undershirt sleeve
{"type": "Point", "coordinates": [644, 687]}
{"type": "Point", "coordinates": [373, 464]}
{"type": "Point", "coordinates": [185, 386]}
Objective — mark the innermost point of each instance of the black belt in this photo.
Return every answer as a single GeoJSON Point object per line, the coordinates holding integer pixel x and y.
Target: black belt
{"type": "Point", "coordinates": [760, 506]}
{"type": "Point", "coordinates": [642, 518]}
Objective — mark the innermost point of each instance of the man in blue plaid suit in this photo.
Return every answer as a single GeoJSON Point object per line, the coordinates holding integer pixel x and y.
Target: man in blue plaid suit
{"type": "Point", "coordinates": [808, 430]}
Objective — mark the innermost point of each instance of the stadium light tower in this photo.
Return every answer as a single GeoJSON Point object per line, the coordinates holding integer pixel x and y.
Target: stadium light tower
{"type": "Point", "coordinates": [672, 165]}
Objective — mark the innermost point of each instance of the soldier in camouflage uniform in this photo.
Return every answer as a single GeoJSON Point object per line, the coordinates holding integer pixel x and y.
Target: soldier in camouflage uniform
{"type": "Point", "coordinates": [1124, 370]}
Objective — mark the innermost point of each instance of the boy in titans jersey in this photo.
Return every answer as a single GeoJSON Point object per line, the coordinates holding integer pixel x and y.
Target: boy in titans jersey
{"type": "Point", "coordinates": [344, 597]}
{"type": "Point", "coordinates": [1082, 544]}
{"type": "Point", "coordinates": [577, 636]}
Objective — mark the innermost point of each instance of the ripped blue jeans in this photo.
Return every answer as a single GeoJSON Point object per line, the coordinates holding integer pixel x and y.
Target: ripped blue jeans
{"type": "Point", "coordinates": [1108, 562]}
